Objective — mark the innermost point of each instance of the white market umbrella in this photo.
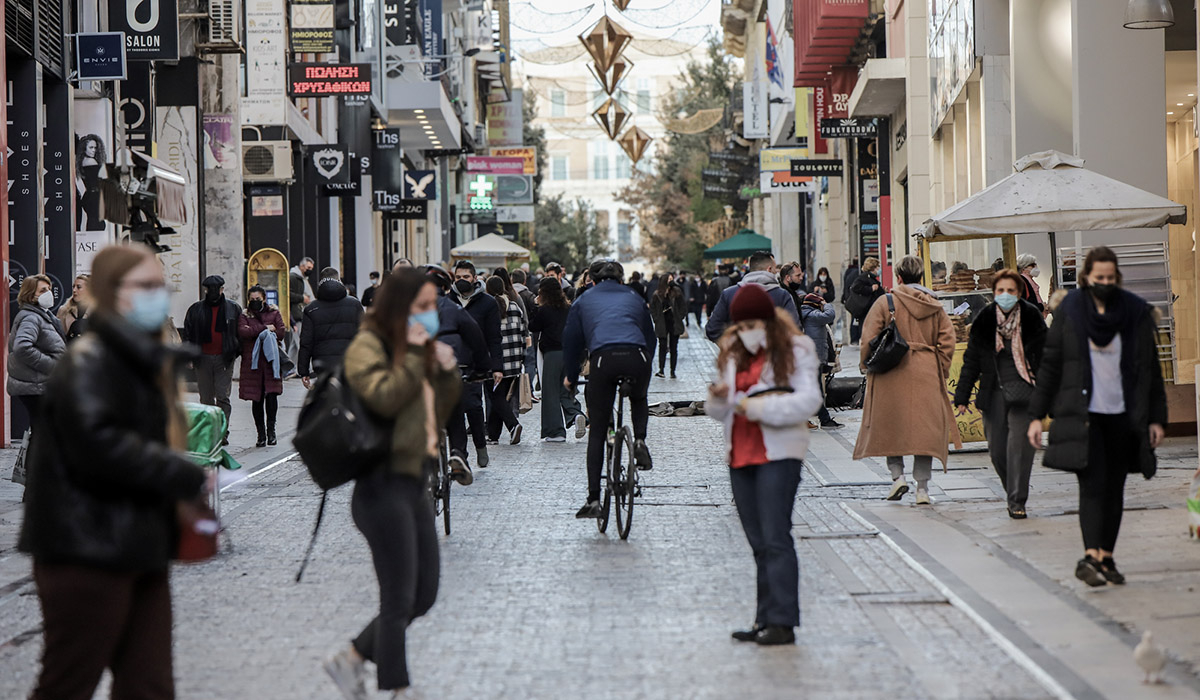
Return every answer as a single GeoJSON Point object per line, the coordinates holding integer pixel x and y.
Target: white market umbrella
{"type": "Point", "coordinates": [490, 246]}
{"type": "Point", "coordinates": [1052, 191]}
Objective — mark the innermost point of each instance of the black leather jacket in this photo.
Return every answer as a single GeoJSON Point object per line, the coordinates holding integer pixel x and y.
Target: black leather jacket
{"type": "Point", "coordinates": [102, 483]}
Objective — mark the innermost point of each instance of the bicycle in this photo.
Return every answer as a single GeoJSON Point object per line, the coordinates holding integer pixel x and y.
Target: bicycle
{"type": "Point", "coordinates": [438, 482]}
{"type": "Point", "coordinates": [621, 475]}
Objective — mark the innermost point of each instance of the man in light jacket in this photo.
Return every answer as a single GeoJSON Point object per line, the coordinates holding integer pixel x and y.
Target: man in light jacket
{"type": "Point", "coordinates": [762, 272]}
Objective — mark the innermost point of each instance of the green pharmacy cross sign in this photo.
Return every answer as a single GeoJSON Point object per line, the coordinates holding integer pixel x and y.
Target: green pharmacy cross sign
{"type": "Point", "coordinates": [482, 199]}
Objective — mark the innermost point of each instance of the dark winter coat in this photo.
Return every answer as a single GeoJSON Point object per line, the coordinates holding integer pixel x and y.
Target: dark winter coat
{"type": "Point", "coordinates": [718, 316]}
{"type": "Point", "coordinates": [36, 343]}
{"type": "Point", "coordinates": [296, 294]}
{"type": "Point", "coordinates": [658, 311]}
{"type": "Point", "coordinates": [848, 278]}
{"type": "Point", "coordinates": [1064, 384]}
{"type": "Point", "coordinates": [862, 297]}
{"type": "Point", "coordinates": [979, 360]}
{"type": "Point", "coordinates": [457, 329]}
{"type": "Point", "coordinates": [482, 307]}
{"type": "Point", "coordinates": [830, 291]}
{"type": "Point", "coordinates": [198, 322]}
{"type": "Point", "coordinates": [254, 383]}
{"type": "Point", "coordinates": [103, 483]}
{"type": "Point", "coordinates": [329, 324]}
{"type": "Point", "coordinates": [697, 294]}
{"type": "Point", "coordinates": [712, 293]}
{"type": "Point", "coordinates": [815, 324]}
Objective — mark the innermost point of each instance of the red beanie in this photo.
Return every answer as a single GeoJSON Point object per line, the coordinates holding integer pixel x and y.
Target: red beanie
{"type": "Point", "coordinates": [751, 302]}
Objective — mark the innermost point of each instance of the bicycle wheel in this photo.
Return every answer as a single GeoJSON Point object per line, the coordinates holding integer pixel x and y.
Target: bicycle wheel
{"type": "Point", "coordinates": [626, 482]}
{"type": "Point", "coordinates": [446, 501]}
{"type": "Point", "coordinates": [443, 481]}
{"type": "Point", "coordinates": [606, 505]}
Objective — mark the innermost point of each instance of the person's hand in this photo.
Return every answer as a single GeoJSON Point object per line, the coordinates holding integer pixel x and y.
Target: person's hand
{"type": "Point", "coordinates": [1035, 433]}
{"type": "Point", "coordinates": [444, 355]}
{"type": "Point", "coordinates": [307, 382]}
{"type": "Point", "coordinates": [740, 407]}
{"type": "Point", "coordinates": [874, 287]}
{"type": "Point", "coordinates": [1156, 435]}
{"type": "Point", "coordinates": [307, 299]}
{"type": "Point", "coordinates": [417, 335]}
{"type": "Point", "coordinates": [960, 410]}
{"type": "Point", "coordinates": [497, 377]}
{"type": "Point", "coordinates": [271, 327]}
{"type": "Point", "coordinates": [719, 391]}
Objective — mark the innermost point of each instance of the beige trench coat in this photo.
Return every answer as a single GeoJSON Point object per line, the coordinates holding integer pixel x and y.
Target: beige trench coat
{"type": "Point", "coordinates": [907, 410]}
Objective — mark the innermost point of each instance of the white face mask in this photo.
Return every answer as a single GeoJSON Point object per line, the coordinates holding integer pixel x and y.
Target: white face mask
{"type": "Point", "coordinates": [46, 299]}
{"type": "Point", "coordinates": [753, 339]}
{"type": "Point", "coordinates": [1034, 272]}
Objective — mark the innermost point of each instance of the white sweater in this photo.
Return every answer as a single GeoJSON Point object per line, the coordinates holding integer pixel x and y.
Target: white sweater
{"type": "Point", "coordinates": [783, 417]}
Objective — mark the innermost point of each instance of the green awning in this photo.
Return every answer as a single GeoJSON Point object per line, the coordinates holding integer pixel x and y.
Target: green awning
{"type": "Point", "coordinates": [743, 245]}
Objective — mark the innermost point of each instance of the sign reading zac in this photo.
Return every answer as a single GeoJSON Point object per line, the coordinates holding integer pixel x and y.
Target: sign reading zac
{"type": "Point", "coordinates": [324, 79]}
{"type": "Point", "coordinates": [849, 128]}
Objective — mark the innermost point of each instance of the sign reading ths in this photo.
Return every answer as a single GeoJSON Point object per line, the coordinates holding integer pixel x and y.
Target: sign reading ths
{"type": "Point", "coordinates": [151, 28]}
{"type": "Point", "coordinates": [824, 168]}
{"type": "Point", "coordinates": [324, 79]}
{"type": "Point", "coordinates": [849, 128]}
{"type": "Point", "coordinates": [100, 56]}
{"type": "Point", "coordinates": [387, 171]}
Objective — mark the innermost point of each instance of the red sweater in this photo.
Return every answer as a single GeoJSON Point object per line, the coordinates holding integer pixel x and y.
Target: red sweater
{"type": "Point", "coordinates": [748, 448]}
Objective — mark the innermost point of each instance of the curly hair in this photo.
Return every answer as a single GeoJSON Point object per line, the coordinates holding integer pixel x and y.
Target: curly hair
{"type": "Point", "coordinates": [81, 149]}
{"type": "Point", "coordinates": [780, 331]}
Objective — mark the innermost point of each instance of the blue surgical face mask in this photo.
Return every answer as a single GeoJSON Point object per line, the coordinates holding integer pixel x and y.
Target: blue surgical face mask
{"type": "Point", "coordinates": [149, 310]}
{"type": "Point", "coordinates": [429, 319]}
{"type": "Point", "coordinates": [1006, 301]}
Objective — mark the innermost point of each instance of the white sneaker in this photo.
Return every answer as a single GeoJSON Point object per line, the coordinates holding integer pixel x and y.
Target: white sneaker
{"type": "Point", "coordinates": [554, 439]}
{"type": "Point", "coordinates": [899, 488]}
{"type": "Point", "coordinates": [923, 498]}
{"type": "Point", "coordinates": [349, 674]}
{"type": "Point", "coordinates": [580, 427]}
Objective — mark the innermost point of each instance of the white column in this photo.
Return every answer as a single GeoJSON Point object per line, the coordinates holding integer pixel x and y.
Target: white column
{"type": "Point", "coordinates": [921, 146]}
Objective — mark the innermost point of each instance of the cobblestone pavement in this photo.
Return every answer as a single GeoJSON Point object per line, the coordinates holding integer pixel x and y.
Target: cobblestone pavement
{"type": "Point", "coordinates": [534, 604]}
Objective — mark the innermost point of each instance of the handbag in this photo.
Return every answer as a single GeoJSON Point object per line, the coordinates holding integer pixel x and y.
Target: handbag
{"type": "Point", "coordinates": [336, 436]}
{"type": "Point", "coordinates": [198, 531]}
{"type": "Point", "coordinates": [526, 400]}
{"type": "Point", "coordinates": [889, 348]}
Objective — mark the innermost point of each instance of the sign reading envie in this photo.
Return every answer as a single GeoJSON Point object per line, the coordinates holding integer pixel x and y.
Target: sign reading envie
{"type": "Point", "coordinates": [323, 79]}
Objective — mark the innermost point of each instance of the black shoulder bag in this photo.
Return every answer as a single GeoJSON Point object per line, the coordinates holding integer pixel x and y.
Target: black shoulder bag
{"type": "Point", "coordinates": [888, 348]}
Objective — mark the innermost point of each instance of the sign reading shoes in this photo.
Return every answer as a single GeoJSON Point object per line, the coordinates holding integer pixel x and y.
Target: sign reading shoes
{"type": "Point", "coordinates": [329, 164]}
{"type": "Point", "coordinates": [322, 79]}
{"type": "Point", "coordinates": [151, 28]}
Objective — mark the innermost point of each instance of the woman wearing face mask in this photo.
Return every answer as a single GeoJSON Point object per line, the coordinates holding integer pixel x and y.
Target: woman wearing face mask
{"type": "Point", "coordinates": [259, 328]}
{"type": "Point", "coordinates": [36, 343]}
{"type": "Point", "coordinates": [825, 283]}
{"type": "Point", "coordinates": [1003, 354]}
{"type": "Point", "coordinates": [1100, 378]}
{"type": "Point", "coordinates": [108, 484]}
{"type": "Point", "coordinates": [405, 376]}
{"type": "Point", "coordinates": [766, 392]}
{"type": "Point", "coordinates": [73, 314]}
{"type": "Point", "coordinates": [1027, 265]}
{"type": "Point", "coordinates": [668, 310]}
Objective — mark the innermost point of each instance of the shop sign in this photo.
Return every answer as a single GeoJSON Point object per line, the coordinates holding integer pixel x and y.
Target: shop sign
{"type": "Point", "coordinates": [754, 110]}
{"type": "Point", "coordinates": [505, 121]}
{"type": "Point", "coordinates": [431, 33]}
{"type": "Point", "coordinates": [411, 209]}
{"type": "Point", "coordinates": [151, 28]}
{"type": "Point", "coordinates": [100, 56]}
{"type": "Point", "coordinates": [58, 187]}
{"type": "Point", "coordinates": [775, 183]}
{"type": "Point", "coordinates": [494, 165]}
{"type": "Point", "coordinates": [485, 218]}
{"type": "Point", "coordinates": [387, 171]}
{"type": "Point", "coordinates": [820, 168]}
{"type": "Point", "coordinates": [324, 79]}
{"type": "Point", "coordinates": [481, 193]}
{"type": "Point", "coordinates": [24, 183]}
{"type": "Point", "coordinates": [527, 154]}
{"type": "Point", "coordinates": [328, 164]}
{"type": "Point", "coordinates": [773, 160]}
{"type": "Point", "coordinates": [420, 184]}
{"type": "Point", "coordinates": [136, 102]}
{"type": "Point", "coordinates": [849, 128]}
{"type": "Point", "coordinates": [522, 213]}
{"type": "Point", "coordinates": [353, 185]}
{"type": "Point", "coordinates": [312, 26]}
{"type": "Point", "coordinates": [514, 189]}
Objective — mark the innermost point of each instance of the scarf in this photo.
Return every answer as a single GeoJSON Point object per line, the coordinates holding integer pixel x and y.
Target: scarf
{"type": "Point", "coordinates": [1103, 327]}
{"type": "Point", "coordinates": [1009, 327]}
{"type": "Point", "coordinates": [222, 322]}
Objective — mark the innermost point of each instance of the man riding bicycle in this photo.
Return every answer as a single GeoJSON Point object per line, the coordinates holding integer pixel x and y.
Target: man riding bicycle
{"type": "Point", "coordinates": [613, 323]}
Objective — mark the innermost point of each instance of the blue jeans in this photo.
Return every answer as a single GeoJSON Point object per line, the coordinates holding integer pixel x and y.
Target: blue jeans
{"type": "Point", "coordinates": [765, 495]}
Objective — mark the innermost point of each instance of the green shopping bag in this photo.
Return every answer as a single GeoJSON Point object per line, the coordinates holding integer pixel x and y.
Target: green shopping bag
{"type": "Point", "coordinates": [206, 432]}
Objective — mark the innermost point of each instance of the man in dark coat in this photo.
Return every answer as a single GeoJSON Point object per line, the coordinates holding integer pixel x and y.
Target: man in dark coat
{"type": "Point", "coordinates": [211, 324]}
{"type": "Point", "coordinates": [762, 272]}
{"type": "Point", "coordinates": [468, 293]}
{"type": "Point", "coordinates": [368, 295]}
{"type": "Point", "coordinates": [329, 324]}
{"type": "Point", "coordinates": [720, 282]}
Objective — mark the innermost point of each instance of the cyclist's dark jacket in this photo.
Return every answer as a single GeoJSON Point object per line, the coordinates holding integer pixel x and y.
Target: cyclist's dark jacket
{"type": "Point", "coordinates": [609, 314]}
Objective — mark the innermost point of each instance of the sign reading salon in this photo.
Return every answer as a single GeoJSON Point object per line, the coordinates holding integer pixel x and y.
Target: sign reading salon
{"type": "Point", "coordinates": [151, 28]}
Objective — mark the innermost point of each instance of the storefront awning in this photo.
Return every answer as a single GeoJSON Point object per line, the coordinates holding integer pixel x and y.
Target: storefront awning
{"type": "Point", "coordinates": [1052, 191]}
{"type": "Point", "coordinates": [423, 113]}
{"type": "Point", "coordinates": [880, 88]}
{"type": "Point", "coordinates": [743, 245]}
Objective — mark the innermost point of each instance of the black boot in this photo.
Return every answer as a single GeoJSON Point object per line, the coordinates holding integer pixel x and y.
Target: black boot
{"type": "Point", "coordinates": [271, 434]}
{"type": "Point", "coordinates": [262, 439]}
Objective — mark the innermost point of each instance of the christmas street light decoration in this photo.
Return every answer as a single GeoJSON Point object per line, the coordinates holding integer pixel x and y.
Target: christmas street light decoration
{"type": "Point", "coordinates": [605, 41]}
{"type": "Point", "coordinates": [611, 116]}
{"type": "Point", "coordinates": [634, 142]}
{"type": "Point", "coordinates": [610, 79]}
{"type": "Point", "coordinates": [621, 4]}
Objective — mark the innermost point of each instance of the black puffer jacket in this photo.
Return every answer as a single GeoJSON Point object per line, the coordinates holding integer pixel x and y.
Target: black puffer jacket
{"type": "Point", "coordinates": [1064, 383]}
{"type": "Point", "coordinates": [102, 482]}
{"type": "Point", "coordinates": [457, 329]}
{"type": "Point", "coordinates": [482, 307]}
{"type": "Point", "coordinates": [197, 327]}
{"type": "Point", "coordinates": [979, 360]}
{"type": "Point", "coordinates": [329, 324]}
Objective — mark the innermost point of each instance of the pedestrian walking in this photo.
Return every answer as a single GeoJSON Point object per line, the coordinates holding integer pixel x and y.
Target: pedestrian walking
{"type": "Point", "coordinates": [108, 487]}
{"type": "Point", "coordinates": [721, 281]}
{"type": "Point", "coordinates": [790, 278]}
{"type": "Point", "coordinates": [329, 324]}
{"type": "Point", "coordinates": [765, 393]}
{"type": "Point", "coordinates": [824, 283]}
{"type": "Point", "coordinates": [299, 290]}
{"type": "Point", "coordinates": [36, 342]}
{"type": "Point", "coordinates": [404, 376]}
{"type": "Point", "coordinates": [510, 290]}
{"type": "Point", "coordinates": [863, 293]}
{"type": "Point", "coordinates": [520, 280]}
{"type": "Point", "coordinates": [73, 314]}
{"type": "Point", "coordinates": [514, 333]}
{"type": "Point", "coordinates": [816, 316]}
{"type": "Point", "coordinates": [907, 410]}
{"type": "Point", "coordinates": [368, 295]}
{"type": "Point", "coordinates": [762, 272]}
{"type": "Point", "coordinates": [696, 299]}
{"type": "Point", "coordinates": [211, 323]}
{"type": "Point", "coordinates": [560, 408]}
{"type": "Point", "coordinates": [668, 309]}
{"type": "Point", "coordinates": [470, 295]}
{"type": "Point", "coordinates": [260, 382]}
{"type": "Point", "coordinates": [1003, 353]}
{"type": "Point", "coordinates": [851, 328]}
{"type": "Point", "coordinates": [1101, 380]}
{"type": "Point", "coordinates": [1027, 266]}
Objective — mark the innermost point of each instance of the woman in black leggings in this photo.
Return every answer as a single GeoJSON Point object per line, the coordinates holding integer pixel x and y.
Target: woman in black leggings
{"type": "Point", "coordinates": [261, 383]}
{"type": "Point", "coordinates": [668, 309]}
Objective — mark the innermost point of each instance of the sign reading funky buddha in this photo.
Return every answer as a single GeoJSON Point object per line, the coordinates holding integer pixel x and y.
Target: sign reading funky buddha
{"type": "Point", "coordinates": [325, 79]}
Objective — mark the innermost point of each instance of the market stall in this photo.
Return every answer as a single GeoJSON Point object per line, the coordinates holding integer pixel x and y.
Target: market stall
{"type": "Point", "coordinates": [738, 247]}
{"type": "Point", "coordinates": [489, 252]}
{"type": "Point", "coordinates": [1049, 192]}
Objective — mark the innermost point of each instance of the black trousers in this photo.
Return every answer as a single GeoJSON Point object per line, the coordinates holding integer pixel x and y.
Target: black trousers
{"type": "Point", "coordinates": [394, 513]}
{"type": "Point", "coordinates": [559, 405]}
{"type": "Point", "coordinates": [33, 406]}
{"type": "Point", "coordinates": [467, 414]}
{"type": "Point", "coordinates": [696, 311]}
{"type": "Point", "coordinates": [95, 619]}
{"type": "Point", "coordinates": [609, 365]}
{"type": "Point", "coordinates": [670, 344]}
{"type": "Point", "coordinates": [765, 495]}
{"type": "Point", "coordinates": [1102, 483]}
{"type": "Point", "coordinates": [500, 408]}
{"type": "Point", "coordinates": [271, 403]}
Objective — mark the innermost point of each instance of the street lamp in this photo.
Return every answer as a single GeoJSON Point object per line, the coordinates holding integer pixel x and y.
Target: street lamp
{"type": "Point", "coordinates": [1149, 14]}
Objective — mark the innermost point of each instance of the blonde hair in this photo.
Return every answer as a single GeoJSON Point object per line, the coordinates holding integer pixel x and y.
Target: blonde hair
{"type": "Point", "coordinates": [29, 285]}
{"type": "Point", "coordinates": [870, 265]}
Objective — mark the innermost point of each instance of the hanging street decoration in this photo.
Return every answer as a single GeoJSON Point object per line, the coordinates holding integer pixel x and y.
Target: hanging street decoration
{"type": "Point", "coordinates": [611, 116]}
{"type": "Point", "coordinates": [621, 4]}
{"type": "Point", "coordinates": [605, 41]}
{"type": "Point", "coordinates": [610, 79]}
{"type": "Point", "coordinates": [634, 142]}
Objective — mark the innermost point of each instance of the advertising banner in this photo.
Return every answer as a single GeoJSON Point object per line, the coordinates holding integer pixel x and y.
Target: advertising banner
{"type": "Point", "coordinates": [312, 26]}
{"type": "Point", "coordinates": [220, 142]}
{"type": "Point", "coordinates": [93, 140]}
{"type": "Point", "coordinates": [420, 184]}
{"type": "Point", "coordinates": [528, 154]}
{"type": "Point", "coordinates": [505, 121]}
{"type": "Point", "coordinates": [137, 101]}
{"type": "Point", "coordinates": [151, 28]}
{"type": "Point", "coordinates": [324, 79]}
{"type": "Point", "coordinates": [177, 147]}
{"type": "Point", "coordinates": [387, 171]}
{"type": "Point", "coordinates": [266, 59]}
{"type": "Point", "coordinates": [496, 165]}
{"type": "Point", "coordinates": [100, 56]}
{"type": "Point", "coordinates": [514, 189]}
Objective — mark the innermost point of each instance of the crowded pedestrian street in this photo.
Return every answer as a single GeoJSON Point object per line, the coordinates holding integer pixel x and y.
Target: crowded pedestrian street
{"type": "Point", "coordinates": [957, 601]}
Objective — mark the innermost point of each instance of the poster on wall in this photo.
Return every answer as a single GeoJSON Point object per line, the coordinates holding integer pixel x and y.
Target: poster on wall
{"type": "Point", "coordinates": [93, 138]}
{"type": "Point", "coordinates": [312, 26]}
{"type": "Point", "coordinates": [177, 147]}
{"type": "Point", "coordinates": [220, 142]}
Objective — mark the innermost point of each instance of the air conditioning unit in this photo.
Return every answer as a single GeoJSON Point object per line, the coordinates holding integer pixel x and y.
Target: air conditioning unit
{"type": "Point", "coordinates": [222, 28]}
{"type": "Point", "coordinates": [269, 161]}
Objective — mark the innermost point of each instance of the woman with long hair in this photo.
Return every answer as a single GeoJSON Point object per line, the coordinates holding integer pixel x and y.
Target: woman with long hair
{"type": "Point", "coordinates": [108, 484]}
{"type": "Point", "coordinates": [558, 402]}
{"type": "Point", "coordinates": [412, 381]}
{"type": "Point", "coordinates": [1101, 379]}
{"type": "Point", "coordinates": [73, 314]}
{"type": "Point", "coordinates": [765, 394]}
{"type": "Point", "coordinates": [90, 162]}
{"type": "Point", "coordinates": [513, 332]}
{"type": "Point", "coordinates": [260, 328]}
{"type": "Point", "coordinates": [510, 291]}
{"type": "Point", "coordinates": [668, 309]}
{"type": "Point", "coordinates": [35, 344]}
